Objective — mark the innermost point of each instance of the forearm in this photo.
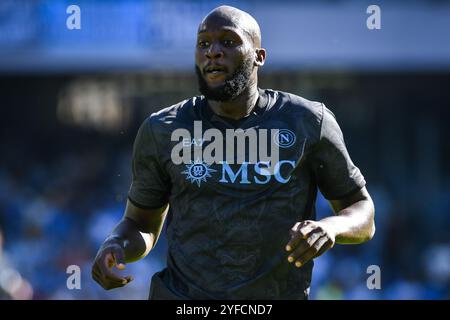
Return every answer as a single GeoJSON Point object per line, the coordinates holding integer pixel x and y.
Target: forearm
{"type": "Point", "coordinates": [132, 239]}
{"type": "Point", "coordinates": [135, 243]}
{"type": "Point", "coordinates": [353, 224]}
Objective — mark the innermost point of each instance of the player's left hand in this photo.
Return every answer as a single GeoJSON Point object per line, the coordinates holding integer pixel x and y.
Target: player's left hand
{"type": "Point", "coordinates": [309, 239]}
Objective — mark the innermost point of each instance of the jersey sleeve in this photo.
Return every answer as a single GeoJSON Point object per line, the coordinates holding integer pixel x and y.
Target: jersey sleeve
{"type": "Point", "coordinates": [150, 184]}
{"type": "Point", "coordinates": [336, 175]}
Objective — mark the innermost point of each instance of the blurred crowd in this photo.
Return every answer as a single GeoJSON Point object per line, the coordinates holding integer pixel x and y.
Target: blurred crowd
{"type": "Point", "coordinates": [56, 214]}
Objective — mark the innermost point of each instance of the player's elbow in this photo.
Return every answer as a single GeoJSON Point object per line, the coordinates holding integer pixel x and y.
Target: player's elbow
{"type": "Point", "coordinates": [367, 234]}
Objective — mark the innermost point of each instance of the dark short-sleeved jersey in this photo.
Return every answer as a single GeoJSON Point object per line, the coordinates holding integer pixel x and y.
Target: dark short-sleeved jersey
{"type": "Point", "coordinates": [229, 221]}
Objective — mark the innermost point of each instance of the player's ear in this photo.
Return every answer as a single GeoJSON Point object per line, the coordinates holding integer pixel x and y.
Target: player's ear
{"type": "Point", "coordinates": [260, 57]}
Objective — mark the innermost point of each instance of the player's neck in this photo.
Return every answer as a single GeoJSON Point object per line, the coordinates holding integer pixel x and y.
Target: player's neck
{"type": "Point", "coordinates": [239, 107]}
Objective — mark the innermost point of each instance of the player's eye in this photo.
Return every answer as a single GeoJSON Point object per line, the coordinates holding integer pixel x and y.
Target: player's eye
{"type": "Point", "coordinates": [203, 44]}
{"type": "Point", "coordinates": [229, 42]}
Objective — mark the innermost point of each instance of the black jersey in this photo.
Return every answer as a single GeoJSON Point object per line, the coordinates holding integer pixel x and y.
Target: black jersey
{"type": "Point", "coordinates": [230, 217]}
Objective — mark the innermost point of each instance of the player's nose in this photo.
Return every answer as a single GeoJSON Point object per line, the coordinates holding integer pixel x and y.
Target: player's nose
{"type": "Point", "coordinates": [214, 51]}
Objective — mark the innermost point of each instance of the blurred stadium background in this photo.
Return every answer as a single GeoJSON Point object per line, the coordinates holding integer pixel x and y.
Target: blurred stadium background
{"type": "Point", "coordinates": [71, 102]}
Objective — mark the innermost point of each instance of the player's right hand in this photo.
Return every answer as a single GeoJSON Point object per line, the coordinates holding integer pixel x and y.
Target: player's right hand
{"type": "Point", "coordinates": [110, 255]}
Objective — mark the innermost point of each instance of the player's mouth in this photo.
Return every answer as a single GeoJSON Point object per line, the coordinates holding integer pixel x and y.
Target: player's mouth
{"type": "Point", "coordinates": [214, 72]}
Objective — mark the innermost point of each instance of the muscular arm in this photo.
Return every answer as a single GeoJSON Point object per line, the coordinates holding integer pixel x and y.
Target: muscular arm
{"type": "Point", "coordinates": [354, 219]}
{"type": "Point", "coordinates": [352, 224]}
{"type": "Point", "coordinates": [139, 230]}
{"type": "Point", "coordinates": [132, 239]}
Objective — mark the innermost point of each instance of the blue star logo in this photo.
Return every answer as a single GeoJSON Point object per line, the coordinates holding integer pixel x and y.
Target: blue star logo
{"type": "Point", "coordinates": [197, 172]}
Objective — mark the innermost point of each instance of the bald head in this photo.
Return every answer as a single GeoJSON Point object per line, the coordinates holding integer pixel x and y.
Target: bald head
{"type": "Point", "coordinates": [233, 17]}
{"type": "Point", "coordinates": [228, 54]}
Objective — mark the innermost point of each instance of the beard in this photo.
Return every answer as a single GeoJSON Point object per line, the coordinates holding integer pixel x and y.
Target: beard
{"type": "Point", "coordinates": [233, 86]}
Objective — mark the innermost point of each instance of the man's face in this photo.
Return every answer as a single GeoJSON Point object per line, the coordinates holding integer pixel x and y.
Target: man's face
{"type": "Point", "coordinates": [224, 59]}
